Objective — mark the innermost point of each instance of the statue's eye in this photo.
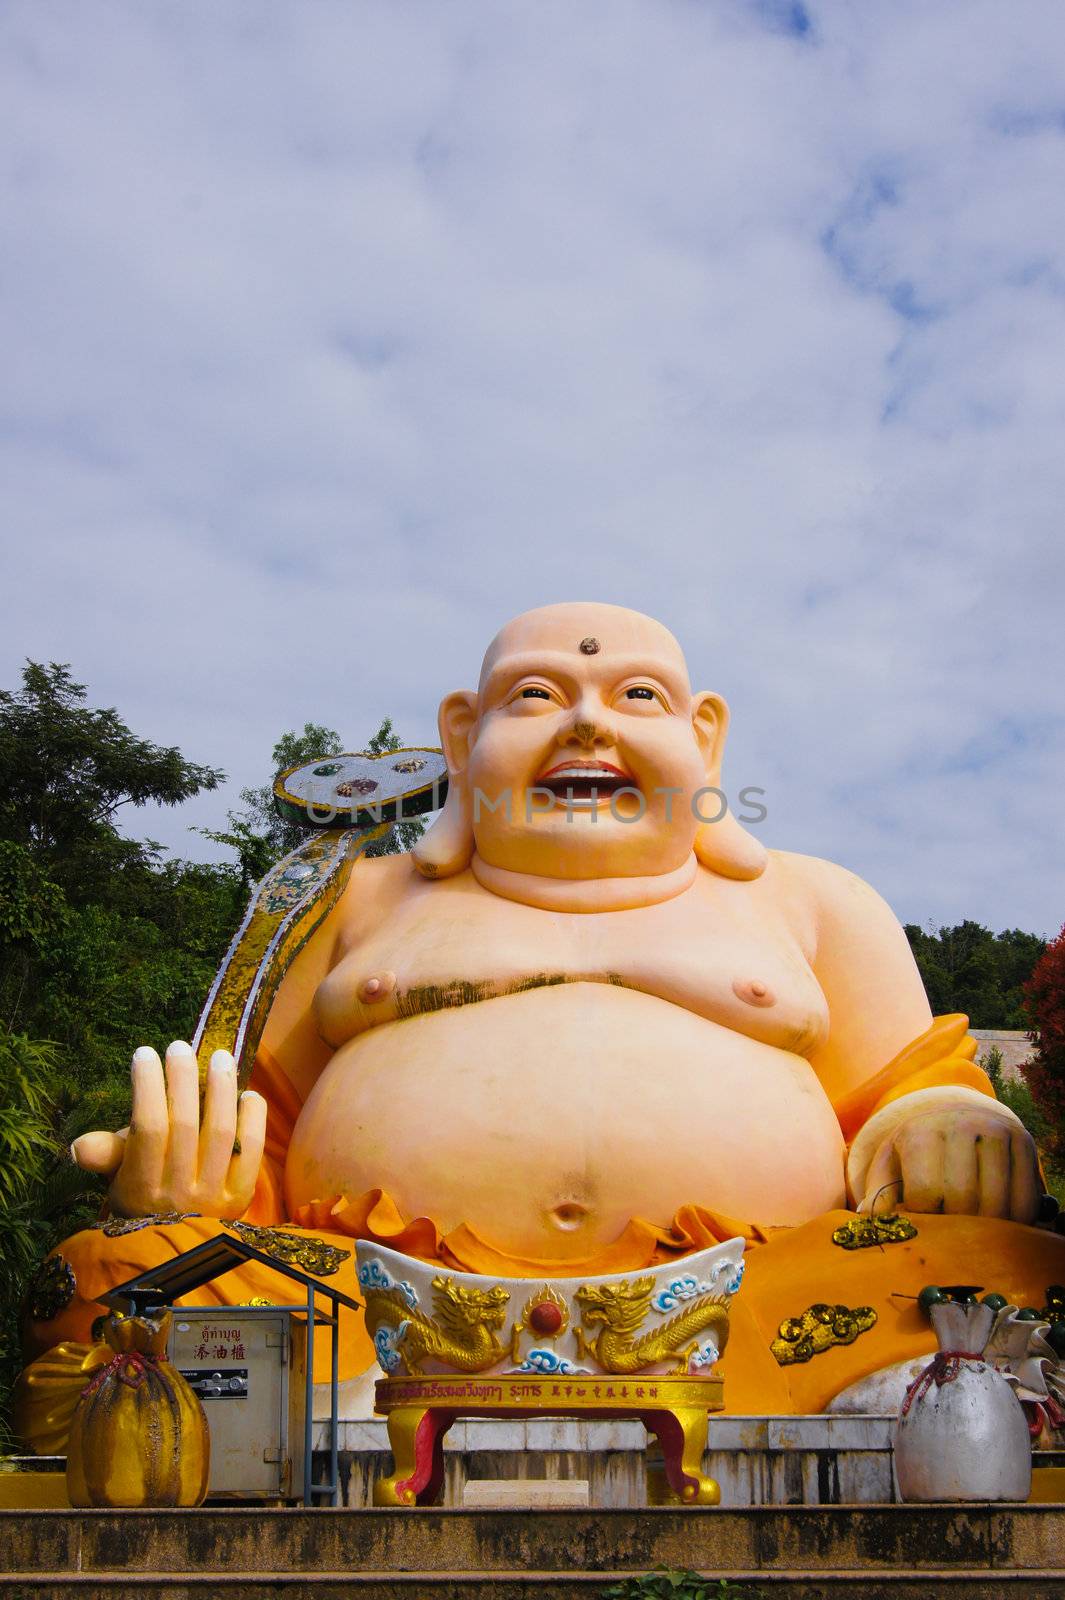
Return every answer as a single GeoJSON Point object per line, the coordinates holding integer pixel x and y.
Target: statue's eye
{"type": "Point", "coordinates": [535, 694]}
{"type": "Point", "coordinates": [641, 692]}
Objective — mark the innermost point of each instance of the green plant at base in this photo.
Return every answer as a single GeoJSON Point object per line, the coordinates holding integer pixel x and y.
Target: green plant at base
{"type": "Point", "coordinates": [43, 1195]}
{"type": "Point", "coordinates": [664, 1584]}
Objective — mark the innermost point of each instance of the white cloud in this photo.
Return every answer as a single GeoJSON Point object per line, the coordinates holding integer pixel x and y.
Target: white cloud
{"type": "Point", "coordinates": [337, 333]}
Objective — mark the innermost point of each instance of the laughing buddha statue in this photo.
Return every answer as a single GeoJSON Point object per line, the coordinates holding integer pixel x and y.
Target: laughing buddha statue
{"type": "Point", "coordinates": [589, 1025]}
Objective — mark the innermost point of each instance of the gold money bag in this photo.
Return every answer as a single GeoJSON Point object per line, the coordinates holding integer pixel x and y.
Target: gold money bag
{"type": "Point", "coordinates": [46, 1395]}
{"type": "Point", "coordinates": [139, 1435]}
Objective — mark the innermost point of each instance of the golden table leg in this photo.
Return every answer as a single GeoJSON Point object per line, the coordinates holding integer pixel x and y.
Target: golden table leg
{"type": "Point", "coordinates": [682, 1435]}
{"type": "Point", "coordinates": [416, 1434]}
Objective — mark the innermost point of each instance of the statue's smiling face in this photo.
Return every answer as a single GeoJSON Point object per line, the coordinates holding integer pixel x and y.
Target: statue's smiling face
{"type": "Point", "coordinates": [584, 721]}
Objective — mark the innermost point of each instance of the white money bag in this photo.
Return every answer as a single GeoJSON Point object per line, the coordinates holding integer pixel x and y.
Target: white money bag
{"type": "Point", "coordinates": [961, 1432]}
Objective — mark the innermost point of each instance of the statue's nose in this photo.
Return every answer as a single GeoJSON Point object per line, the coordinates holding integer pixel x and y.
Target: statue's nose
{"type": "Point", "coordinates": [587, 727]}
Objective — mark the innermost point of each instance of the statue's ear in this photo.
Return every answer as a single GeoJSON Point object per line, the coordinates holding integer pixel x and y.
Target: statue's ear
{"type": "Point", "coordinates": [457, 721]}
{"type": "Point", "coordinates": [710, 720]}
{"type": "Point", "coordinates": [722, 846]}
{"type": "Point", "coordinates": [447, 847]}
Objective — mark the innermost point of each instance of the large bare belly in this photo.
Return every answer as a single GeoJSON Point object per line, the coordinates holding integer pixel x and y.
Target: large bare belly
{"type": "Point", "coordinates": [546, 1120]}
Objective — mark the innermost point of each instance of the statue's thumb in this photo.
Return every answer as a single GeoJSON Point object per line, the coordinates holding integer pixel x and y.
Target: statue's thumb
{"type": "Point", "coordinates": [100, 1152]}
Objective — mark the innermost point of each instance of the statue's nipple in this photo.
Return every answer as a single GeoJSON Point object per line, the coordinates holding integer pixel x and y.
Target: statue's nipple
{"type": "Point", "coordinates": [377, 987]}
{"type": "Point", "coordinates": [753, 991]}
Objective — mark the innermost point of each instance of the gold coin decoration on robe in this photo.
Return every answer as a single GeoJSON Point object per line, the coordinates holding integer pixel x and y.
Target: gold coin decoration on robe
{"type": "Point", "coordinates": [818, 1329]}
{"type": "Point", "coordinates": [862, 1233]}
{"type": "Point", "coordinates": [294, 1249]}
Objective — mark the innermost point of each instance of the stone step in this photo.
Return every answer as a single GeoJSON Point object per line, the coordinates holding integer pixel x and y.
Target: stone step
{"type": "Point", "coordinates": [821, 1584]}
{"type": "Point", "coordinates": [246, 1553]}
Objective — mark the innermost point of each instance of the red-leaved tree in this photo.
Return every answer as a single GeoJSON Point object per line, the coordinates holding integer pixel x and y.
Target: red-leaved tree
{"type": "Point", "coordinates": [1044, 995]}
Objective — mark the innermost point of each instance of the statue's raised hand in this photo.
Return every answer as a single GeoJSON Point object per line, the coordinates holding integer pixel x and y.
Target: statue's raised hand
{"type": "Point", "coordinates": [168, 1159]}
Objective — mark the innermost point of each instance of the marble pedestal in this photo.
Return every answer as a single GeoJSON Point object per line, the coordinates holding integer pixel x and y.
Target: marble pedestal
{"type": "Point", "coordinates": [757, 1461]}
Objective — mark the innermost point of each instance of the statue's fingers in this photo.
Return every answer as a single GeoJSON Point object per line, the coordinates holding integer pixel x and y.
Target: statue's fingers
{"type": "Point", "coordinates": [883, 1186]}
{"type": "Point", "coordinates": [251, 1139]}
{"type": "Point", "coordinates": [993, 1156]}
{"type": "Point", "coordinates": [1025, 1182]}
{"type": "Point", "coordinates": [100, 1152]}
{"type": "Point", "coordinates": [921, 1158]}
{"type": "Point", "coordinates": [142, 1164]}
{"type": "Point", "coordinates": [961, 1176]}
{"type": "Point", "coordinates": [219, 1126]}
{"type": "Point", "coordinates": [183, 1104]}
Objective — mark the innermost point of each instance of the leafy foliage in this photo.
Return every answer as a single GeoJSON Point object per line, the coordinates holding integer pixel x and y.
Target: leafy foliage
{"type": "Point", "coordinates": [25, 1071]}
{"type": "Point", "coordinates": [66, 771]}
{"type": "Point", "coordinates": [42, 1193]}
{"type": "Point", "coordinates": [663, 1584]}
{"type": "Point", "coordinates": [97, 933]}
{"type": "Point", "coordinates": [968, 968]}
{"type": "Point", "coordinates": [1015, 1093]}
{"type": "Point", "coordinates": [1045, 1072]}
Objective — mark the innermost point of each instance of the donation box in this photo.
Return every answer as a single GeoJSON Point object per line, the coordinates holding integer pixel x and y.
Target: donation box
{"type": "Point", "coordinates": [248, 1366]}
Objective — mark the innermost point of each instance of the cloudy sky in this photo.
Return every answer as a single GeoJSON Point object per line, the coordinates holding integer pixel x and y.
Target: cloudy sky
{"type": "Point", "coordinates": [336, 332]}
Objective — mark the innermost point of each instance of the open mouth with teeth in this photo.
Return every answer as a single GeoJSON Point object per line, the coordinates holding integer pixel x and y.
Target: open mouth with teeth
{"type": "Point", "coordinates": [585, 783]}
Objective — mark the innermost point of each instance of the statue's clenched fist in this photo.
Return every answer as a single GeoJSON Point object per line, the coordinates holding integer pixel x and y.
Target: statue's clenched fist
{"type": "Point", "coordinates": [168, 1159]}
{"type": "Point", "coordinates": [968, 1160]}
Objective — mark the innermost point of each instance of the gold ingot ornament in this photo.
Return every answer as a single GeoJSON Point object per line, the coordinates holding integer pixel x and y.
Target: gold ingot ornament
{"type": "Point", "coordinates": [139, 1435]}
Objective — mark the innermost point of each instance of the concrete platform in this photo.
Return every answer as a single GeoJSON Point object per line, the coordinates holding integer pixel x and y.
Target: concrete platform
{"type": "Point", "coordinates": [814, 1460]}
{"type": "Point", "coordinates": [804, 1553]}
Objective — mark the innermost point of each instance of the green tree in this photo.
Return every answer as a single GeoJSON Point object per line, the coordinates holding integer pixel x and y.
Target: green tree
{"type": "Point", "coordinates": [970, 969]}
{"type": "Point", "coordinates": [100, 938]}
{"type": "Point", "coordinates": [1018, 955]}
{"type": "Point", "coordinates": [67, 770]}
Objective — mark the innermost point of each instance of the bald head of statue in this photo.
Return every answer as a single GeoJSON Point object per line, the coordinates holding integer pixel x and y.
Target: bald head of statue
{"type": "Point", "coordinates": [584, 756]}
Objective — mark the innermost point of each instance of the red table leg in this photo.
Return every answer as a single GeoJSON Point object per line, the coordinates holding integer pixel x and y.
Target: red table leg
{"type": "Point", "coordinates": [416, 1434]}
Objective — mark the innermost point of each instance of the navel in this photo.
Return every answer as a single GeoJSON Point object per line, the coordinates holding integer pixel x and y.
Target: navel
{"type": "Point", "coordinates": [753, 992]}
{"type": "Point", "coordinates": [568, 1216]}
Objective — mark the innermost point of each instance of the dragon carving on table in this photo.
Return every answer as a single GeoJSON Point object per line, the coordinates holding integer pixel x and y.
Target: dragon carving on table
{"type": "Point", "coordinates": [462, 1332]}
{"type": "Point", "coordinates": [619, 1309]}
